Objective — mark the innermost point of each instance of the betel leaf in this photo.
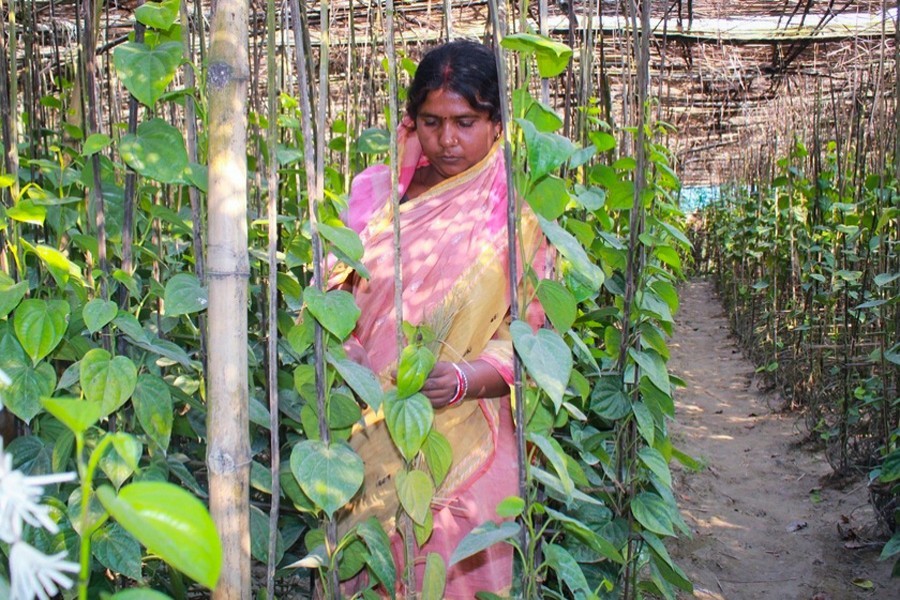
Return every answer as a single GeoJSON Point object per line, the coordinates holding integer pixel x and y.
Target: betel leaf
{"type": "Point", "coordinates": [117, 550]}
{"type": "Point", "coordinates": [98, 312]}
{"type": "Point", "coordinates": [95, 143]}
{"type": "Point", "coordinates": [75, 414]}
{"type": "Point", "coordinates": [546, 356]}
{"type": "Point", "coordinates": [27, 386]}
{"type": "Point", "coordinates": [552, 57]}
{"type": "Point", "coordinates": [559, 304]}
{"type": "Point", "coordinates": [554, 453]}
{"type": "Point", "coordinates": [146, 72]}
{"type": "Point", "coordinates": [171, 523]}
{"type": "Point", "coordinates": [510, 507]}
{"type": "Point", "coordinates": [548, 197]}
{"type": "Point", "coordinates": [156, 151]}
{"type": "Point", "coordinates": [26, 211]}
{"type": "Point", "coordinates": [588, 536]}
{"type": "Point", "coordinates": [158, 15]}
{"type": "Point", "coordinates": [60, 267]}
{"type": "Point", "coordinates": [10, 295]}
{"type": "Point", "coordinates": [335, 310]}
{"type": "Point", "coordinates": [569, 247]}
{"type": "Point", "coordinates": [652, 512]}
{"type": "Point", "coordinates": [653, 460]}
{"type": "Point", "coordinates": [415, 491]}
{"type": "Point", "coordinates": [483, 537]}
{"type": "Point", "coordinates": [653, 367]}
{"type": "Point", "coordinates": [373, 141]}
{"type": "Point", "coordinates": [381, 560]}
{"type": "Point", "coordinates": [438, 455]}
{"type": "Point", "coordinates": [435, 578]}
{"type": "Point", "coordinates": [40, 326]}
{"type": "Point", "coordinates": [360, 379]}
{"type": "Point", "coordinates": [139, 594]}
{"type": "Point", "coordinates": [547, 152]}
{"type": "Point", "coordinates": [106, 379]}
{"type": "Point", "coordinates": [185, 295]}
{"type": "Point", "coordinates": [344, 239]}
{"type": "Point", "coordinates": [408, 421]}
{"type": "Point", "coordinates": [121, 461]}
{"type": "Point", "coordinates": [153, 407]}
{"type": "Point", "coordinates": [328, 474]}
{"type": "Point", "coordinates": [567, 570]}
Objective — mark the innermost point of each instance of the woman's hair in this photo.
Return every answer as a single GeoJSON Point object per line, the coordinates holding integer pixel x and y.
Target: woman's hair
{"type": "Point", "coordinates": [466, 68]}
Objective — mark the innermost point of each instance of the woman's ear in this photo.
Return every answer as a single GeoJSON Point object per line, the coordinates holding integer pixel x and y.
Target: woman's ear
{"type": "Point", "coordinates": [498, 129]}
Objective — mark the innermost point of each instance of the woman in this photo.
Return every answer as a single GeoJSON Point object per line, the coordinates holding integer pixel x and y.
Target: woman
{"type": "Point", "coordinates": [454, 257]}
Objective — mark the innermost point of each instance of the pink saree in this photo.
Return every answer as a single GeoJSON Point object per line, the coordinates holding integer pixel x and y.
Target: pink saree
{"type": "Point", "coordinates": [454, 260]}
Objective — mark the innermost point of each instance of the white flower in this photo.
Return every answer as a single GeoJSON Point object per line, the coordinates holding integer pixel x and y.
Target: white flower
{"type": "Point", "coordinates": [19, 499]}
{"type": "Point", "coordinates": [36, 575]}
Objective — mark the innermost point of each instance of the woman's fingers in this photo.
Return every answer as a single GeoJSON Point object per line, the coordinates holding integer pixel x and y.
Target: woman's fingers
{"type": "Point", "coordinates": [440, 386]}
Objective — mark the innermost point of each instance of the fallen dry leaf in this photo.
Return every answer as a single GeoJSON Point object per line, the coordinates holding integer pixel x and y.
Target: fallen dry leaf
{"type": "Point", "coordinates": [863, 583]}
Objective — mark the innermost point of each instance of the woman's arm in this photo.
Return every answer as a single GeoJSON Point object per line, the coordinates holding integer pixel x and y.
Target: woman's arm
{"type": "Point", "coordinates": [484, 381]}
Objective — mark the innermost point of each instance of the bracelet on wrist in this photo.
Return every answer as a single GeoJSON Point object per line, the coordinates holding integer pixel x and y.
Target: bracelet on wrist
{"type": "Point", "coordinates": [462, 386]}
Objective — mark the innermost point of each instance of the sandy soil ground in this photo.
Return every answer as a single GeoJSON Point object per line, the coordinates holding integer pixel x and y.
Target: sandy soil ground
{"type": "Point", "coordinates": [768, 521]}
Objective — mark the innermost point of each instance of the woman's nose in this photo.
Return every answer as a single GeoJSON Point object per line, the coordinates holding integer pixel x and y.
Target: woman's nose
{"type": "Point", "coordinates": [448, 136]}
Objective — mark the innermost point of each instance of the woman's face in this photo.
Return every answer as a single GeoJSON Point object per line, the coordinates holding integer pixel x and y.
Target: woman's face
{"type": "Point", "coordinates": [454, 136]}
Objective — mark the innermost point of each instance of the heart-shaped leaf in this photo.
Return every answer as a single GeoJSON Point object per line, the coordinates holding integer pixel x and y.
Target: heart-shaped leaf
{"type": "Point", "coordinates": [10, 295]}
{"type": "Point", "coordinates": [335, 310]}
{"type": "Point", "coordinates": [570, 248]}
{"type": "Point", "coordinates": [549, 197]}
{"type": "Point", "coordinates": [185, 295]}
{"type": "Point", "coordinates": [40, 326]}
{"type": "Point", "coordinates": [559, 304]}
{"type": "Point", "coordinates": [156, 151]}
{"type": "Point", "coordinates": [482, 537]}
{"type": "Point", "coordinates": [146, 72]}
{"type": "Point", "coordinates": [552, 57]}
{"type": "Point", "coordinates": [75, 414]}
{"type": "Point", "coordinates": [158, 15]}
{"type": "Point", "coordinates": [328, 475]}
{"type": "Point", "coordinates": [360, 379]}
{"type": "Point", "coordinates": [98, 312]}
{"type": "Point", "coordinates": [119, 551]}
{"type": "Point", "coordinates": [153, 408]}
{"type": "Point", "coordinates": [110, 381]}
{"type": "Point", "coordinates": [409, 421]}
{"type": "Point", "coordinates": [652, 512]}
{"type": "Point", "coordinates": [547, 152]}
{"type": "Point", "coordinates": [415, 491]}
{"type": "Point", "coordinates": [546, 357]}
{"type": "Point", "coordinates": [381, 560]}
{"type": "Point", "coordinates": [171, 523]}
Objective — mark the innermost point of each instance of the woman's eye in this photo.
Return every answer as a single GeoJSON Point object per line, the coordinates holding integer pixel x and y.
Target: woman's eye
{"type": "Point", "coordinates": [429, 122]}
{"type": "Point", "coordinates": [466, 123]}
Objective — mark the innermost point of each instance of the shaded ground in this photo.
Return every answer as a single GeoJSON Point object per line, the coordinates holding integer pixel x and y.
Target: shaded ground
{"type": "Point", "coordinates": [767, 522]}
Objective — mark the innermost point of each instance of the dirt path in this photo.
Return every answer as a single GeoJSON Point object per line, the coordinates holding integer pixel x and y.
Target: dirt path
{"type": "Point", "coordinates": [765, 524]}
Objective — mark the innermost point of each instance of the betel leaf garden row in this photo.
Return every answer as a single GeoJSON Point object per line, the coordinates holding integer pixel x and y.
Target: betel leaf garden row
{"type": "Point", "coordinates": [106, 358]}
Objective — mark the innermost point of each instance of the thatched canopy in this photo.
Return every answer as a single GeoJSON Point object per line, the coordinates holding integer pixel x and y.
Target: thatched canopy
{"type": "Point", "coordinates": [736, 77]}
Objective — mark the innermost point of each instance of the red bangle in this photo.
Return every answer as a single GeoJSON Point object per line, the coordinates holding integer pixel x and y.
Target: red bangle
{"type": "Point", "coordinates": [462, 386]}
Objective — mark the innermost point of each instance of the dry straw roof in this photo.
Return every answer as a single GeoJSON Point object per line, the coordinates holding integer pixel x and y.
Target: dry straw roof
{"type": "Point", "coordinates": [730, 74]}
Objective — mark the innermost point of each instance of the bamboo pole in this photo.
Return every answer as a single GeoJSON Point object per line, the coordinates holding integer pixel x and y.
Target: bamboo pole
{"type": "Point", "coordinates": [228, 453]}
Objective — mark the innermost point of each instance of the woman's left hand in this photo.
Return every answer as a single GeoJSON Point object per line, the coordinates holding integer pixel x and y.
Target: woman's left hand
{"type": "Point", "coordinates": [441, 385]}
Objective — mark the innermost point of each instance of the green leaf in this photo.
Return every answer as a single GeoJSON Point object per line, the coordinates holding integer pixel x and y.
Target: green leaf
{"type": "Point", "coordinates": [98, 312]}
{"type": "Point", "coordinates": [645, 424]}
{"type": "Point", "coordinates": [891, 548]}
{"type": "Point", "coordinates": [654, 461]}
{"type": "Point", "coordinates": [415, 491]}
{"type": "Point", "coordinates": [77, 415]}
{"type": "Point", "coordinates": [259, 537]}
{"type": "Point", "coordinates": [374, 141]}
{"type": "Point", "coordinates": [40, 326]}
{"type": "Point", "coordinates": [121, 462]}
{"type": "Point", "coordinates": [139, 594]}
{"type": "Point", "coordinates": [653, 513]}
{"type": "Point", "coordinates": [56, 262]}
{"type": "Point", "coordinates": [483, 537]}
{"type": "Point", "coordinates": [653, 367]}
{"type": "Point", "coordinates": [171, 523]}
{"type": "Point", "coordinates": [381, 561]}
{"type": "Point", "coordinates": [328, 475]}
{"type": "Point", "coordinates": [185, 295]}
{"type": "Point", "coordinates": [608, 399]}
{"type": "Point", "coordinates": [413, 367]}
{"type": "Point", "coordinates": [118, 551]}
{"type": "Point", "coordinates": [547, 358]}
{"type": "Point", "coordinates": [158, 15]}
{"type": "Point", "coordinates": [28, 385]}
{"type": "Point", "coordinates": [110, 381]}
{"type": "Point", "coordinates": [881, 280]}
{"type": "Point", "coordinates": [544, 118]}
{"type": "Point", "coordinates": [344, 239]}
{"type": "Point", "coordinates": [335, 310]}
{"type": "Point", "coordinates": [153, 407]}
{"type": "Point", "coordinates": [95, 143]}
{"type": "Point", "coordinates": [547, 152]}
{"type": "Point", "coordinates": [438, 455]}
{"type": "Point", "coordinates": [552, 57]}
{"type": "Point", "coordinates": [408, 421]}
{"type": "Point", "coordinates": [548, 197]}
{"type": "Point", "coordinates": [146, 72]}
{"type": "Point", "coordinates": [435, 578]}
{"type": "Point", "coordinates": [586, 535]}
{"type": "Point", "coordinates": [567, 570]}
{"type": "Point", "coordinates": [156, 151]}
{"type": "Point", "coordinates": [602, 141]}
{"type": "Point", "coordinates": [570, 248]}
{"type": "Point", "coordinates": [510, 507]}
{"type": "Point", "coordinates": [360, 379]}
{"type": "Point", "coordinates": [554, 453]}
{"type": "Point", "coordinates": [559, 304]}
{"type": "Point", "coordinates": [10, 296]}
{"type": "Point", "coordinates": [26, 211]}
